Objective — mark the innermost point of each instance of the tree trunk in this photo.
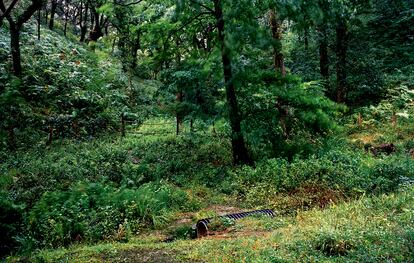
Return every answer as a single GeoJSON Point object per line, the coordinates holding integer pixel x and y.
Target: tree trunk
{"type": "Point", "coordinates": [106, 29]}
{"type": "Point", "coordinates": [125, 52]}
{"type": "Point", "coordinates": [278, 58]}
{"type": "Point", "coordinates": [341, 53]}
{"type": "Point", "coordinates": [113, 46]}
{"type": "Point", "coordinates": [83, 20]}
{"type": "Point", "coordinates": [46, 14]}
{"type": "Point", "coordinates": [83, 34]}
{"type": "Point", "coordinates": [134, 51]}
{"type": "Point", "coordinates": [179, 99]}
{"type": "Point", "coordinates": [323, 52]}
{"type": "Point", "coordinates": [50, 137]}
{"type": "Point", "coordinates": [178, 123]}
{"type": "Point", "coordinates": [122, 125]}
{"type": "Point", "coordinates": [96, 31]}
{"type": "Point", "coordinates": [240, 154]}
{"type": "Point", "coordinates": [66, 20]}
{"type": "Point", "coordinates": [306, 39]}
{"type": "Point", "coordinates": [92, 17]}
{"type": "Point", "coordinates": [14, 29]}
{"type": "Point", "coordinates": [177, 53]}
{"type": "Point", "coordinates": [52, 14]}
{"type": "Point", "coordinates": [11, 138]}
{"type": "Point", "coordinates": [39, 20]}
{"type": "Point", "coordinates": [15, 48]}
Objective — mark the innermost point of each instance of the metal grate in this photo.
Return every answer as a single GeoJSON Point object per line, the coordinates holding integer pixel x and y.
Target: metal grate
{"type": "Point", "coordinates": [201, 227]}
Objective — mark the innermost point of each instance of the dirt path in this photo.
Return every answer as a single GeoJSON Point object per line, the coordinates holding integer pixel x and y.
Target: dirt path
{"type": "Point", "coordinates": [142, 255]}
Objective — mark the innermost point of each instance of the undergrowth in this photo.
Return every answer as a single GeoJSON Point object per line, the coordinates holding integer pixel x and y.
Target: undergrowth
{"type": "Point", "coordinates": [369, 229]}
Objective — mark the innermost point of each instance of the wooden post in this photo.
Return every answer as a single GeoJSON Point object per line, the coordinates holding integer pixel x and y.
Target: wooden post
{"type": "Point", "coordinates": [38, 23]}
{"type": "Point", "coordinates": [359, 120]}
{"type": "Point", "coordinates": [122, 125]}
{"type": "Point", "coordinates": [214, 128]}
{"type": "Point", "coordinates": [75, 128]}
{"type": "Point", "coordinates": [177, 124]}
{"type": "Point", "coordinates": [50, 138]}
{"type": "Point", "coordinates": [12, 140]}
{"type": "Point", "coordinates": [394, 119]}
{"type": "Point", "coordinates": [179, 99]}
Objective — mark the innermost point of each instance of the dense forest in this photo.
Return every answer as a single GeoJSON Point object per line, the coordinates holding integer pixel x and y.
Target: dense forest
{"type": "Point", "coordinates": [126, 123]}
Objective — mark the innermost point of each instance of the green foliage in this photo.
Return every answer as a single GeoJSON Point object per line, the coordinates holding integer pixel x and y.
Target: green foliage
{"type": "Point", "coordinates": [41, 172]}
{"type": "Point", "coordinates": [182, 232]}
{"type": "Point", "coordinates": [11, 217]}
{"type": "Point", "coordinates": [66, 90]}
{"type": "Point", "coordinates": [165, 57]}
{"type": "Point", "coordinates": [369, 229]}
{"type": "Point", "coordinates": [331, 245]}
{"type": "Point", "coordinates": [186, 159]}
{"type": "Point", "coordinates": [348, 171]}
{"type": "Point", "coordinates": [190, 92]}
{"type": "Point", "coordinates": [127, 162]}
{"type": "Point", "coordinates": [92, 212]}
{"type": "Point", "coordinates": [220, 223]}
{"type": "Point", "coordinates": [287, 117]}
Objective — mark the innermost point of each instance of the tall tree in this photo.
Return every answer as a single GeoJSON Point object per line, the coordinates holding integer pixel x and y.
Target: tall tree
{"type": "Point", "coordinates": [127, 19]}
{"type": "Point", "coordinates": [98, 20]}
{"type": "Point", "coordinates": [53, 7]}
{"type": "Point", "coordinates": [240, 153]}
{"type": "Point", "coordinates": [344, 14]}
{"type": "Point", "coordinates": [15, 26]}
{"type": "Point", "coordinates": [83, 19]}
{"type": "Point", "coordinates": [341, 53]}
{"type": "Point", "coordinates": [323, 51]}
{"type": "Point", "coordinates": [322, 28]}
{"type": "Point", "coordinates": [214, 9]}
{"type": "Point", "coordinates": [66, 12]}
{"type": "Point", "coordinates": [276, 28]}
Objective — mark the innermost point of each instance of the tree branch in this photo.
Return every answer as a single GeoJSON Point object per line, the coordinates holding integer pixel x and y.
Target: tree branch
{"type": "Point", "coordinates": [210, 10]}
{"type": "Point", "coordinates": [6, 12]}
{"type": "Point", "coordinates": [191, 20]}
{"type": "Point", "coordinates": [128, 4]}
{"type": "Point", "coordinates": [27, 14]}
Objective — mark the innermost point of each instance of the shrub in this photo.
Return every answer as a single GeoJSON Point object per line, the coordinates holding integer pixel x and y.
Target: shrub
{"type": "Point", "coordinates": [332, 245]}
{"type": "Point", "coordinates": [388, 173]}
{"type": "Point", "coordinates": [348, 172]}
{"type": "Point", "coordinates": [92, 212]}
{"type": "Point", "coordinates": [182, 232]}
{"type": "Point", "coordinates": [11, 216]}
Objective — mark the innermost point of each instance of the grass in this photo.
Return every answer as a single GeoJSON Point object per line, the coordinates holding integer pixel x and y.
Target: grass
{"type": "Point", "coordinates": [317, 221]}
{"type": "Point", "coordinates": [370, 229]}
{"type": "Point", "coordinates": [331, 206]}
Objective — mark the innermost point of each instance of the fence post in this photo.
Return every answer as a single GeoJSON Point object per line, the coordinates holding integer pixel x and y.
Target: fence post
{"type": "Point", "coordinates": [50, 137]}
{"type": "Point", "coordinates": [122, 125]}
{"type": "Point", "coordinates": [12, 139]}
{"type": "Point", "coordinates": [359, 120]}
{"type": "Point", "coordinates": [394, 119]}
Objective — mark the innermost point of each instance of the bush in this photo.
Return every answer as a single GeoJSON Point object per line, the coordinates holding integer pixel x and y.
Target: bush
{"type": "Point", "coordinates": [92, 212]}
{"type": "Point", "coordinates": [188, 158]}
{"type": "Point", "coordinates": [11, 216]}
{"type": "Point", "coordinates": [182, 232]}
{"type": "Point", "coordinates": [287, 117]}
{"type": "Point", "coordinates": [332, 245]}
{"type": "Point", "coordinates": [349, 172]}
{"type": "Point", "coordinates": [388, 173]}
{"type": "Point", "coordinates": [65, 91]}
